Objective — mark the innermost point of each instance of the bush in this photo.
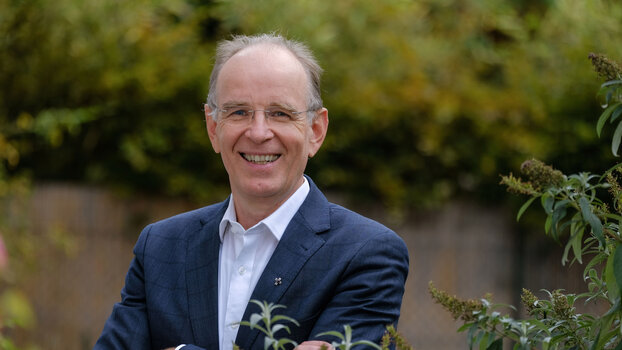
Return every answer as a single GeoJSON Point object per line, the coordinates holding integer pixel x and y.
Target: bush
{"type": "Point", "coordinates": [588, 218]}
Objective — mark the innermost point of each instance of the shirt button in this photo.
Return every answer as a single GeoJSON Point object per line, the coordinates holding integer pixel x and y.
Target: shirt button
{"type": "Point", "coordinates": [241, 270]}
{"type": "Point", "coordinates": [235, 325]}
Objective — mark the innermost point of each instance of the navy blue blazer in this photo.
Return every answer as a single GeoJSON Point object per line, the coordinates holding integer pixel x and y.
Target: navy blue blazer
{"type": "Point", "coordinates": [336, 268]}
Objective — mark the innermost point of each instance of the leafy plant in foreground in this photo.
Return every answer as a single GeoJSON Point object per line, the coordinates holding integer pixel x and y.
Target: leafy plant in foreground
{"type": "Point", "coordinates": [271, 326]}
{"type": "Point", "coordinates": [392, 336]}
{"type": "Point", "coordinates": [346, 339]}
{"type": "Point", "coordinates": [575, 209]}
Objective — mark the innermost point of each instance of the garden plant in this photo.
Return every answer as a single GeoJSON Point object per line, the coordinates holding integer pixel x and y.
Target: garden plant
{"type": "Point", "coordinates": [269, 323]}
{"type": "Point", "coordinates": [584, 210]}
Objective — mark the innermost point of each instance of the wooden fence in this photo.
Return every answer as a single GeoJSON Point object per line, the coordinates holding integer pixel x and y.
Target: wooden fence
{"type": "Point", "coordinates": [464, 248]}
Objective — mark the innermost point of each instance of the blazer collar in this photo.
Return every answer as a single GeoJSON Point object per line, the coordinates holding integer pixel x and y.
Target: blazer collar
{"type": "Point", "coordinates": [299, 242]}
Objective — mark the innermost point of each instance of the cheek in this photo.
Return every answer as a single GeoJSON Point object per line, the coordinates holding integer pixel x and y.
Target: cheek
{"type": "Point", "coordinates": [226, 137]}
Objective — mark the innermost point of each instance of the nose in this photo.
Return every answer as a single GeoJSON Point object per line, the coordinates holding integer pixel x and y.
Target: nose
{"type": "Point", "coordinates": [259, 130]}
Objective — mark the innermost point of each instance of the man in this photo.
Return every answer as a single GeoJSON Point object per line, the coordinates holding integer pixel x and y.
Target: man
{"type": "Point", "coordinates": [275, 239]}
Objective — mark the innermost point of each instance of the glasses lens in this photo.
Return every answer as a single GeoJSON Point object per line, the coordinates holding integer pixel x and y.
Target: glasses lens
{"type": "Point", "coordinates": [279, 113]}
{"type": "Point", "coordinates": [236, 113]}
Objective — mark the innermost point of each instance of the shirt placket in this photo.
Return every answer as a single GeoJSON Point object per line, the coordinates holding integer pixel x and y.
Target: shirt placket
{"type": "Point", "coordinates": [239, 283]}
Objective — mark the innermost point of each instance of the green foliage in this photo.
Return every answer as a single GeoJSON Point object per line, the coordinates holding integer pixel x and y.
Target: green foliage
{"type": "Point", "coordinates": [393, 337]}
{"type": "Point", "coordinates": [346, 339]}
{"type": "Point", "coordinates": [108, 93]}
{"type": "Point", "coordinates": [449, 93]}
{"type": "Point", "coordinates": [272, 325]}
{"type": "Point", "coordinates": [612, 90]}
{"type": "Point", "coordinates": [577, 211]}
{"type": "Point", "coordinates": [17, 256]}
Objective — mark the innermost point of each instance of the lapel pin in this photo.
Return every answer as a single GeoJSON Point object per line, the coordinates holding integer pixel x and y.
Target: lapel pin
{"type": "Point", "coordinates": [278, 281]}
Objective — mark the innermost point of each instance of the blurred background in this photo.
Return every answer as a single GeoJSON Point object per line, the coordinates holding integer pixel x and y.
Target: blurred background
{"type": "Point", "coordinates": [102, 132]}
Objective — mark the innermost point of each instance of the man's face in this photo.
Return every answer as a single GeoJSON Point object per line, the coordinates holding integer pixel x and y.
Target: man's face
{"type": "Point", "coordinates": [264, 157]}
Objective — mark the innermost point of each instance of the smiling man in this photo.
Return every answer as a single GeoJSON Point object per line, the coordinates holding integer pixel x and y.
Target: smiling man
{"type": "Point", "coordinates": [275, 239]}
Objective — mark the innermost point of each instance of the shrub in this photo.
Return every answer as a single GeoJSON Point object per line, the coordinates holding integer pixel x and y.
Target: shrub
{"type": "Point", "coordinates": [585, 210]}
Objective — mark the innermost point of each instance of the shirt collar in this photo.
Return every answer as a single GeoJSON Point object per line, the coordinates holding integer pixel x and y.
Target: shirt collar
{"type": "Point", "coordinates": [276, 222]}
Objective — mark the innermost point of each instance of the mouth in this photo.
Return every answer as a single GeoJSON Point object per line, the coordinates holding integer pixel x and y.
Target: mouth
{"type": "Point", "coordinates": [260, 158]}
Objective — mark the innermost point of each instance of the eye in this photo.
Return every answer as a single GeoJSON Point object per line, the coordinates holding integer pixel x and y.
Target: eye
{"type": "Point", "coordinates": [279, 114]}
{"type": "Point", "coordinates": [237, 113]}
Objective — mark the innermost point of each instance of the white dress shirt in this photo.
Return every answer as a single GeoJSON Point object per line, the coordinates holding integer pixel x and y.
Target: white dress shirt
{"type": "Point", "coordinates": [243, 257]}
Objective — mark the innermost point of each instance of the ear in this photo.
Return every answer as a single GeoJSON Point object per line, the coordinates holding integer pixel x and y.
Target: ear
{"type": "Point", "coordinates": [319, 126]}
{"type": "Point", "coordinates": [211, 126]}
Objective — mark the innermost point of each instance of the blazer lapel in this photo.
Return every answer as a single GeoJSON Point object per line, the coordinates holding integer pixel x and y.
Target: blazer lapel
{"type": "Point", "coordinates": [299, 242]}
{"type": "Point", "coordinates": [202, 279]}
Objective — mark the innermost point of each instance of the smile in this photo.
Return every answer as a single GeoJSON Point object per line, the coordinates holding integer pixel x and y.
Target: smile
{"type": "Point", "coordinates": [260, 158]}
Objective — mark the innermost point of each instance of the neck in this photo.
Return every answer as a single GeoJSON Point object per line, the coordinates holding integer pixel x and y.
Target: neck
{"type": "Point", "coordinates": [249, 215]}
{"type": "Point", "coordinates": [250, 211]}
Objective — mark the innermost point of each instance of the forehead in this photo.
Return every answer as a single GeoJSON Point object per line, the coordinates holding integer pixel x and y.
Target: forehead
{"type": "Point", "coordinates": [263, 74]}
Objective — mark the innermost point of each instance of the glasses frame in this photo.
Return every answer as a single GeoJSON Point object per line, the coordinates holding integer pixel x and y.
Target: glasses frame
{"type": "Point", "coordinates": [267, 112]}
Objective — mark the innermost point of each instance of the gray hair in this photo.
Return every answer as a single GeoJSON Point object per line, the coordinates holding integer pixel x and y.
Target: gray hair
{"type": "Point", "coordinates": [228, 48]}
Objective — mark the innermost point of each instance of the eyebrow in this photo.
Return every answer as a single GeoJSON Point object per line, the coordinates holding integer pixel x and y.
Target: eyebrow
{"type": "Point", "coordinates": [234, 104]}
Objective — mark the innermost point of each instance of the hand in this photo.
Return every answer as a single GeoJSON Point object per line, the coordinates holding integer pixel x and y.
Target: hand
{"type": "Point", "coordinates": [314, 345]}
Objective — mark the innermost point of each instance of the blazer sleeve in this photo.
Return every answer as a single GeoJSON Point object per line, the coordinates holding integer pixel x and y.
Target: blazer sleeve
{"type": "Point", "coordinates": [128, 326]}
{"type": "Point", "coordinates": [369, 295]}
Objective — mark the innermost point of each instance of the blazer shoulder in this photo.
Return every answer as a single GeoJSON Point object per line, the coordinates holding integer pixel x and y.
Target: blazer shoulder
{"type": "Point", "coordinates": [344, 220]}
{"type": "Point", "coordinates": [192, 220]}
{"type": "Point", "coordinates": [341, 216]}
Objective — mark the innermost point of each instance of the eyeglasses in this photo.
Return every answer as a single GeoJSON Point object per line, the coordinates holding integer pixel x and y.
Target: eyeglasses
{"type": "Point", "coordinates": [245, 114]}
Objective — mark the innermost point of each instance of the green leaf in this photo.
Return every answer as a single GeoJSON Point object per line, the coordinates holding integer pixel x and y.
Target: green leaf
{"type": "Point", "coordinates": [470, 335]}
{"type": "Point", "coordinates": [255, 318]}
{"type": "Point", "coordinates": [595, 343]}
{"type": "Point", "coordinates": [540, 325]}
{"type": "Point", "coordinates": [593, 220]}
{"type": "Point", "coordinates": [576, 241]}
{"type": "Point", "coordinates": [566, 251]}
{"type": "Point", "coordinates": [333, 333]}
{"type": "Point", "coordinates": [284, 341]}
{"type": "Point", "coordinates": [267, 342]}
{"type": "Point", "coordinates": [610, 279]}
{"type": "Point", "coordinates": [496, 345]}
{"type": "Point", "coordinates": [604, 117]}
{"type": "Point", "coordinates": [617, 137]}
{"type": "Point", "coordinates": [595, 261]}
{"type": "Point", "coordinates": [483, 342]}
{"type": "Point", "coordinates": [285, 318]}
{"type": "Point", "coordinates": [478, 337]}
{"type": "Point", "coordinates": [546, 343]}
{"type": "Point", "coordinates": [616, 113]}
{"type": "Point", "coordinates": [547, 224]}
{"type": "Point", "coordinates": [617, 267]}
{"type": "Point", "coordinates": [524, 207]}
{"type": "Point", "coordinates": [611, 82]}
{"type": "Point", "coordinates": [261, 305]}
{"type": "Point", "coordinates": [559, 213]}
{"type": "Point", "coordinates": [277, 327]}
{"type": "Point", "coordinates": [547, 203]}
{"type": "Point", "coordinates": [464, 327]}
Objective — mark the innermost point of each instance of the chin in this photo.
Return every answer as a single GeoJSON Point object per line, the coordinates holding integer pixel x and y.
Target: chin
{"type": "Point", "coordinates": [262, 189]}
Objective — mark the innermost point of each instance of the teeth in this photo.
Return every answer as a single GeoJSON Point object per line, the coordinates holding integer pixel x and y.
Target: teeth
{"type": "Point", "coordinates": [260, 159]}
